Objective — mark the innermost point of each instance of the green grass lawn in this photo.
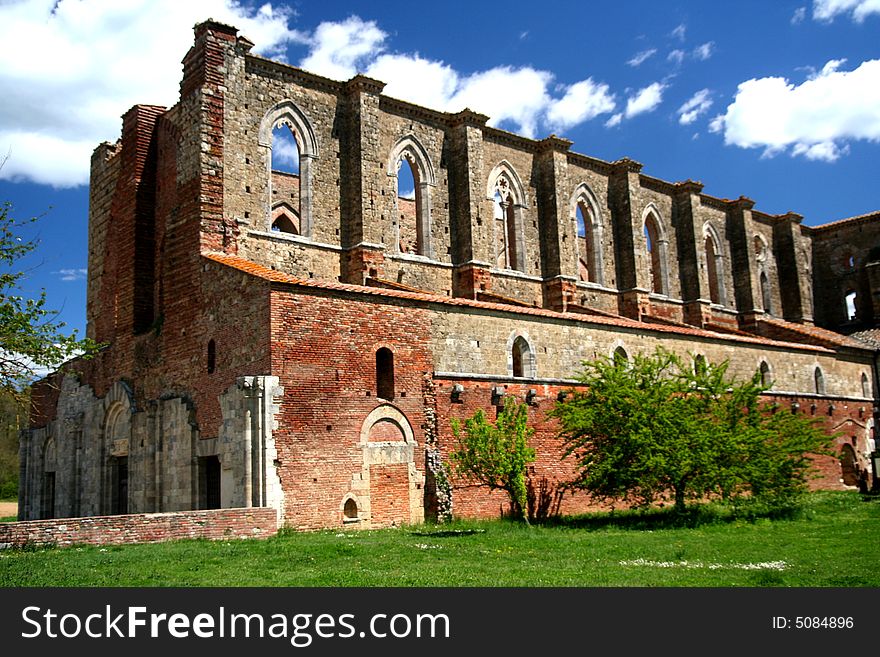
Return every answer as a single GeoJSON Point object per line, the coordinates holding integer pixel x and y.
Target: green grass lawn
{"type": "Point", "coordinates": [832, 542]}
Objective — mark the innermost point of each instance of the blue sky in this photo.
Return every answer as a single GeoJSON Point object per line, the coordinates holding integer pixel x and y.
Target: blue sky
{"type": "Point", "coordinates": [778, 101]}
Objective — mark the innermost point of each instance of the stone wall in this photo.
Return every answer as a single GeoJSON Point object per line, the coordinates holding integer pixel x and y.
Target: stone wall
{"type": "Point", "coordinates": [843, 255]}
{"type": "Point", "coordinates": [217, 524]}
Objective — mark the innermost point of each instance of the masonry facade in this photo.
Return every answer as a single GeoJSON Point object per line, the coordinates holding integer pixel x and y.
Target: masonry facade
{"type": "Point", "coordinates": [300, 339]}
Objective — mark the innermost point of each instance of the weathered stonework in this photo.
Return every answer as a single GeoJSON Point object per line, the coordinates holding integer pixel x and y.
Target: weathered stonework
{"type": "Point", "coordinates": [303, 341]}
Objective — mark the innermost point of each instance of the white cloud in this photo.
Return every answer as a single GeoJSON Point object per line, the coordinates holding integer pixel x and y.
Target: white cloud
{"type": "Point", "coordinates": [518, 96]}
{"type": "Point", "coordinates": [102, 57]}
{"type": "Point", "coordinates": [339, 50]}
{"type": "Point", "coordinates": [421, 81]}
{"type": "Point", "coordinates": [679, 32]}
{"type": "Point", "coordinates": [70, 69]}
{"type": "Point", "coordinates": [704, 51]}
{"type": "Point", "coordinates": [826, 150]}
{"type": "Point", "coordinates": [676, 56]}
{"type": "Point", "coordinates": [645, 100]}
{"type": "Point", "coordinates": [583, 101]}
{"type": "Point", "coordinates": [799, 14]}
{"type": "Point", "coordinates": [614, 120]}
{"type": "Point", "coordinates": [815, 119]}
{"type": "Point", "coordinates": [828, 10]}
{"type": "Point", "coordinates": [506, 94]}
{"type": "Point", "coordinates": [639, 58]}
{"type": "Point", "coordinates": [695, 107]}
{"type": "Point", "coordinates": [72, 274]}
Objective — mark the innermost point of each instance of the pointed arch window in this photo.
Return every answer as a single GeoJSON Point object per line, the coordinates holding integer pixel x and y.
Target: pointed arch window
{"type": "Point", "coordinates": [290, 148]}
{"type": "Point", "coordinates": [866, 386]}
{"type": "Point", "coordinates": [509, 202]}
{"type": "Point", "coordinates": [521, 358]}
{"type": "Point", "coordinates": [766, 376]}
{"type": "Point", "coordinates": [656, 246]}
{"type": "Point", "coordinates": [819, 381]}
{"type": "Point", "coordinates": [715, 268]}
{"type": "Point", "coordinates": [620, 357]}
{"type": "Point", "coordinates": [412, 174]}
{"type": "Point", "coordinates": [588, 232]}
{"type": "Point", "coordinates": [285, 220]}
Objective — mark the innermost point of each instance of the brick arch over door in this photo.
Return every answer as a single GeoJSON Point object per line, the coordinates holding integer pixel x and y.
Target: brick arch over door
{"type": "Point", "coordinates": [389, 487]}
{"type": "Point", "coordinates": [288, 113]}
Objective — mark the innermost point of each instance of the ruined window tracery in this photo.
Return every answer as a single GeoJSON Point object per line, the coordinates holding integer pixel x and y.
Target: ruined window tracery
{"type": "Point", "coordinates": [509, 200]}
{"type": "Point", "coordinates": [715, 266]}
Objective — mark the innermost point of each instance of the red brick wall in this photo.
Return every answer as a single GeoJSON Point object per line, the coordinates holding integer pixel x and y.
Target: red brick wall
{"type": "Point", "coordinates": [477, 501]}
{"type": "Point", "coordinates": [324, 352]}
{"type": "Point", "coordinates": [389, 495]}
{"type": "Point", "coordinates": [215, 524]}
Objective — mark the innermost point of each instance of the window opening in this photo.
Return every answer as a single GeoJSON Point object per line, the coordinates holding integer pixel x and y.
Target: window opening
{"type": "Point", "coordinates": [652, 234]}
{"type": "Point", "coordinates": [850, 305]}
{"type": "Point", "coordinates": [385, 374]}
{"type": "Point", "coordinates": [819, 381]}
{"type": "Point", "coordinates": [212, 356]}
{"type": "Point", "coordinates": [521, 355]}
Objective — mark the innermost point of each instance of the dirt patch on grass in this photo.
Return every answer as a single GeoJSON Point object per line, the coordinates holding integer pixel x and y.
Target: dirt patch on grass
{"type": "Point", "coordinates": [8, 509]}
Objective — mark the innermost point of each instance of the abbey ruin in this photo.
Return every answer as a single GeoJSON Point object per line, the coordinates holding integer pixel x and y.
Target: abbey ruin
{"type": "Point", "coordinates": [301, 339]}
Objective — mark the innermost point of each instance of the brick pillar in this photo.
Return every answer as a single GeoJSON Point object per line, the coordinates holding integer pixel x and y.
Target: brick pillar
{"type": "Point", "coordinates": [202, 92]}
{"type": "Point", "coordinates": [126, 290]}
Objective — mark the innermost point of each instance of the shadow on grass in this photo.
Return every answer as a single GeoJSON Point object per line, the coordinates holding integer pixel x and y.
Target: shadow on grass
{"type": "Point", "coordinates": [670, 518]}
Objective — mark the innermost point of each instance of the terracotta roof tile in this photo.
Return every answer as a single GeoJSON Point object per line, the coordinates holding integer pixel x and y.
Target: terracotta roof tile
{"type": "Point", "coordinates": [241, 264]}
{"type": "Point", "coordinates": [818, 335]}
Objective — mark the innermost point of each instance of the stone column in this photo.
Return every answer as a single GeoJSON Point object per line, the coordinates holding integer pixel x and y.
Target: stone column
{"type": "Point", "coordinates": [470, 214]}
{"type": "Point", "coordinates": [743, 265]}
{"type": "Point", "coordinates": [632, 279]}
{"type": "Point", "coordinates": [694, 278]}
{"type": "Point", "coordinates": [793, 269]}
{"type": "Point", "coordinates": [362, 169]}
{"type": "Point", "coordinates": [554, 224]}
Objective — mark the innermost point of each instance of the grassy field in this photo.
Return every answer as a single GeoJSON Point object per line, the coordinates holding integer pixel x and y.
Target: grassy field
{"type": "Point", "coordinates": [832, 542]}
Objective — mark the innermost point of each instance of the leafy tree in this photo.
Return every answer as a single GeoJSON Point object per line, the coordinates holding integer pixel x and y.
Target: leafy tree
{"type": "Point", "coordinates": [655, 428]}
{"type": "Point", "coordinates": [31, 337]}
{"type": "Point", "coordinates": [497, 454]}
{"type": "Point", "coordinates": [13, 416]}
